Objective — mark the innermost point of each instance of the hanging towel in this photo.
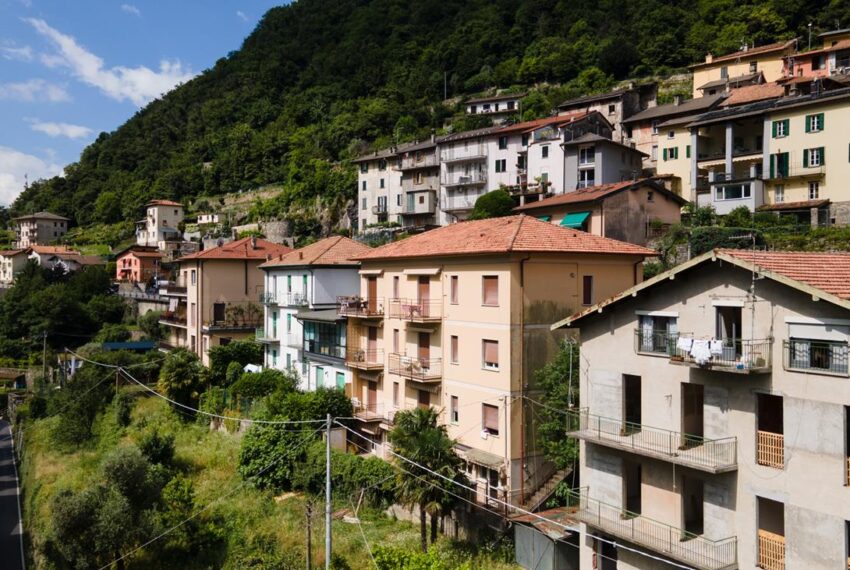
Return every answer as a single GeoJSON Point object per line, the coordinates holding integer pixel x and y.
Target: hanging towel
{"type": "Point", "coordinates": [684, 344]}
{"type": "Point", "coordinates": [700, 352]}
{"type": "Point", "coordinates": [716, 347]}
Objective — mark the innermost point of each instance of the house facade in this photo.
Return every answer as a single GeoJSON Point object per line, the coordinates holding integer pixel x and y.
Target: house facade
{"type": "Point", "coordinates": [160, 224]}
{"type": "Point", "coordinates": [616, 106]}
{"type": "Point", "coordinates": [41, 228]}
{"type": "Point", "coordinates": [744, 67]}
{"type": "Point", "coordinates": [138, 264]}
{"type": "Point", "coordinates": [713, 416]}
{"type": "Point", "coordinates": [12, 262]}
{"type": "Point", "coordinates": [452, 312]}
{"type": "Point", "coordinates": [419, 171]}
{"type": "Point", "coordinates": [302, 330]}
{"type": "Point", "coordinates": [463, 172]}
{"type": "Point", "coordinates": [497, 107]}
{"type": "Point", "coordinates": [591, 159]}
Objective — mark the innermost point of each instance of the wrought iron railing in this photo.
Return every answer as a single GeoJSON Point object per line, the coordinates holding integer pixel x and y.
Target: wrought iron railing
{"type": "Point", "coordinates": [677, 543]}
{"type": "Point", "coordinates": [823, 356]}
{"type": "Point", "coordinates": [236, 315]}
{"type": "Point", "coordinates": [416, 368]}
{"type": "Point", "coordinates": [356, 306]}
{"type": "Point", "coordinates": [684, 449]}
{"type": "Point", "coordinates": [731, 354]}
{"type": "Point", "coordinates": [364, 357]}
{"type": "Point", "coordinates": [655, 342]}
{"type": "Point", "coordinates": [416, 310]}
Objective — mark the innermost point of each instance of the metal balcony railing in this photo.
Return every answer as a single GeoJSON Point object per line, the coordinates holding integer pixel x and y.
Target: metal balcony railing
{"type": "Point", "coordinates": [416, 310]}
{"type": "Point", "coordinates": [415, 368]}
{"type": "Point", "coordinates": [363, 358]}
{"type": "Point", "coordinates": [362, 307]}
{"type": "Point", "coordinates": [454, 203]}
{"type": "Point", "coordinates": [173, 318]}
{"type": "Point", "coordinates": [470, 152]}
{"type": "Point", "coordinates": [260, 336]}
{"type": "Point", "coordinates": [677, 543]}
{"type": "Point", "coordinates": [770, 449]}
{"type": "Point", "coordinates": [268, 298]}
{"type": "Point", "coordinates": [324, 348]}
{"type": "Point", "coordinates": [771, 550]}
{"type": "Point", "coordinates": [176, 287]}
{"type": "Point", "coordinates": [711, 455]}
{"type": "Point", "coordinates": [818, 356]}
{"type": "Point", "coordinates": [728, 355]}
{"type": "Point", "coordinates": [419, 160]}
{"type": "Point", "coordinates": [232, 316]}
{"type": "Point", "coordinates": [655, 342]}
{"type": "Point", "coordinates": [467, 179]}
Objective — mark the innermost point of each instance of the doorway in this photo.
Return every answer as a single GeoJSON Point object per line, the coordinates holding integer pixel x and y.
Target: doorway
{"type": "Point", "coordinates": [729, 331]}
{"type": "Point", "coordinates": [423, 351]}
{"type": "Point", "coordinates": [692, 414]}
{"type": "Point", "coordinates": [693, 495]}
{"type": "Point", "coordinates": [372, 295]}
{"type": "Point", "coordinates": [631, 404]}
{"type": "Point", "coordinates": [371, 344]}
{"type": "Point", "coordinates": [631, 486]}
{"type": "Point", "coordinates": [372, 396]}
{"type": "Point", "coordinates": [423, 399]}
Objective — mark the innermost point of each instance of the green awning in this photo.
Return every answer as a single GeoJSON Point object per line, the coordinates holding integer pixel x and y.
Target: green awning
{"type": "Point", "coordinates": [575, 220]}
{"type": "Point", "coordinates": [545, 218]}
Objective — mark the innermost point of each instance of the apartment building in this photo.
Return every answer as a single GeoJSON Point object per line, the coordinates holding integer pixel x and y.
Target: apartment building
{"type": "Point", "coordinates": [138, 264]}
{"type": "Point", "coordinates": [160, 224]}
{"type": "Point", "coordinates": [463, 171]}
{"type": "Point", "coordinates": [690, 383]}
{"type": "Point", "coordinates": [302, 330]}
{"type": "Point", "coordinates": [419, 166]}
{"type": "Point", "coordinates": [214, 298]}
{"type": "Point", "coordinates": [456, 319]}
{"type": "Point", "coordinates": [616, 106]}
{"type": "Point", "coordinates": [746, 66]}
{"type": "Point", "coordinates": [832, 60]}
{"type": "Point", "coordinates": [591, 159]}
{"type": "Point", "coordinates": [12, 262]}
{"type": "Point", "coordinates": [633, 211]}
{"type": "Point", "coordinates": [41, 228]}
{"type": "Point", "coordinates": [498, 107]}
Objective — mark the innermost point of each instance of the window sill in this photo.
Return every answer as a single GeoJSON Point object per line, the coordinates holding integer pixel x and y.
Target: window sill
{"type": "Point", "coordinates": [656, 354]}
{"type": "Point", "coordinates": [490, 369]}
{"type": "Point", "coordinates": [486, 305]}
{"type": "Point", "coordinates": [817, 372]}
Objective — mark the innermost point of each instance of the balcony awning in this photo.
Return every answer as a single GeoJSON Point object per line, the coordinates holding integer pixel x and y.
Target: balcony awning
{"type": "Point", "coordinates": [326, 316]}
{"type": "Point", "coordinates": [480, 457]}
{"type": "Point", "coordinates": [575, 220]}
{"type": "Point", "coordinates": [545, 218]}
{"type": "Point", "coordinates": [427, 271]}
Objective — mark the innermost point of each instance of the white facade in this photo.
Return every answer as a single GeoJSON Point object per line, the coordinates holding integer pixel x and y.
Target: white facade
{"type": "Point", "coordinates": [160, 224]}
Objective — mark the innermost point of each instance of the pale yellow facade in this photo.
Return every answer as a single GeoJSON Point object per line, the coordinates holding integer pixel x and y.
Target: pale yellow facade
{"type": "Point", "coordinates": [769, 64]}
{"type": "Point", "coordinates": [674, 156]}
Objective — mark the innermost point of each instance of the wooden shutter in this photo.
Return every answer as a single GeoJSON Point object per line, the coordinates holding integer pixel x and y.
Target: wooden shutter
{"type": "Point", "coordinates": [453, 283]}
{"type": "Point", "coordinates": [821, 121]}
{"type": "Point", "coordinates": [809, 123]}
{"type": "Point", "coordinates": [787, 124]}
{"type": "Point", "coordinates": [664, 153]}
{"type": "Point", "coordinates": [773, 126]}
{"type": "Point", "coordinates": [687, 151]}
{"type": "Point", "coordinates": [490, 285]}
{"type": "Point", "coordinates": [490, 418]}
{"type": "Point", "coordinates": [491, 352]}
{"type": "Point", "coordinates": [454, 348]}
{"type": "Point", "coordinates": [805, 158]}
{"type": "Point", "coordinates": [822, 156]}
{"type": "Point", "coordinates": [773, 166]}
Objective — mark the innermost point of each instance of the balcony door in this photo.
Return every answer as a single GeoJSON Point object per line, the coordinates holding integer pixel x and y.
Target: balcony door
{"type": "Point", "coordinates": [372, 294]}
{"type": "Point", "coordinates": [371, 396]}
{"type": "Point", "coordinates": [729, 331]}
{"type": "Point", "coordinates": [371, 342]}
{"type": "Point", "coordinates": [692, 413]}
{"type": "Point", "coordinates": [218, 312]}
{"type": "Point", "coordinates": [423, 349]}
{"type": "Point", "coordinates": [631, 404]}
{"type": "Point", "coordinates": [693, 495]}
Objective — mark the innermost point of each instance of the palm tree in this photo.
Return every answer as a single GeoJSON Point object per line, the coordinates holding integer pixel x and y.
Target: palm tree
{"type": "Point", "coordinates": [418, 437]}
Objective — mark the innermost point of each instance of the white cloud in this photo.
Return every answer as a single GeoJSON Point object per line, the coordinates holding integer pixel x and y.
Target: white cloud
{"type": "Point", "coordinates": [33, 90]}
{"type": "Point", "coordinates": [14, 165]}
{"type": "Point", "coordinates": [136, 84]}
{"type": "Point", "coordinates": [131, 9]}
{"type": "Point", "coordinates": [60, 129]}
{"type": "Point", "coordinates": [242, 15]}
{"type": "Point", "coordinates": [14, 53]}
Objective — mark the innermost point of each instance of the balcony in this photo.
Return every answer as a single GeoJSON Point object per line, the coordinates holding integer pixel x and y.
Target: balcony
{"type": "Point", "coordinates": [816, 357]}
{"type": "Point", "coordinates": [459, 203]}
{"type": "Point", "coordinates": [711, 456]}
{"type": "Point", "coordinates": [360, 307]}
{"type": "Point", "coordinates": [292, 340]}
{"type": "Point", "coordinates": [655, 342]}
{"type": "Point", "coordinates": [730, 355]}
{"type": "Point", "coordinates": [321, 348]}
{"type": "Point", "coordinates": [676, 543]}
{"type": "Point", "coordinates": [771, 550]}
{"type": "Point", "coordinates": [419, 160]}
{"type": "Point", "coordinates": [374, 412]}
{"type": "Point", "coordinates": [770, 449]}
{"type": "Point", "coordinates": [173, 318]}
{"type": "Point", "coordinates": [379, 209]}
{"type": "Point", "coordinates": [455, 180]}
{"type": "Point", "coordinates": [417, 310]}
{"type": "Point", "coordinates": [414, 368]}
{"type": "Point", "coordinates": [364, 359]}
{"type": "Point", "coordinates": [173, 288]}
{"type": "Point", "coordinates": [796, 170]}
{"type": "Point", "coordinates": [463, 154]}
{"type": "Point", "coordinates": [260, 336]}
{"type": "Point", "coordinates": [233, 316]}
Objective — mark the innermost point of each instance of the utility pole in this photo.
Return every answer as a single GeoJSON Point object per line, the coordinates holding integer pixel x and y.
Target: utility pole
{"type": "Point", "coordinates": [308, 510]}
{"type": "Point", "coordinates": [328, 506]}
{"type": "Point", "coordinates": [44, 356]}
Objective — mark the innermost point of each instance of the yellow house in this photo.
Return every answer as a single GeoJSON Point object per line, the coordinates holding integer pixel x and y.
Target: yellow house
{"type": "Point", "coordinates": [215, 298]}
{"type": "Point", "coordinates": [743, 67]}
{"type": "Point", "coordinates": [457, 318]}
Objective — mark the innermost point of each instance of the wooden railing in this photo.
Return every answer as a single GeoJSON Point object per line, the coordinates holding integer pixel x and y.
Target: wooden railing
{"type": "Point", "coordinates": [771, 550]}
{"type": "Point", "coordinates": [770, 449]}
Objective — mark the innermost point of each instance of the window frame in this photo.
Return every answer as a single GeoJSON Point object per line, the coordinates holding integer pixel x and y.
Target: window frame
{"type": "Point", "coordinates": [454, 349]}
{"type": "Point", "coordinates": [454, 289]}
{"type": "Point", "coordinates": [489, 279]}
{"type": "Point", "coordinates": [492, 366]}
{"type": "Point", "coordinates": [454, 410]}
{"type": "Point", "coordinates": [587, 290]}
{"type": "Point", "coordinates": [492, 431]}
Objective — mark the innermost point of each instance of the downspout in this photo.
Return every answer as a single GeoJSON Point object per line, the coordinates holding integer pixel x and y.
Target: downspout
{"type": "Point", "coordinates": [199, 311]}
{"type": "Point", "coordinates": [522, 466]}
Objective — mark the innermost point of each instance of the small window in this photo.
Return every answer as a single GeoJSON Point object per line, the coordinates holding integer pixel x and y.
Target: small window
{"type": "Point", "coordinates": [501, 165]}
{"type": "Point", "coordinates": [490, 290]}
{"type": "Point", "coordinates": [649, 196]}
{"type": "Point", "coordinates": [779, 193]}
{"type": "Point", "coordinates": [754, 65]}
{"type": "Point", "coordinates": [544, 151]}
{"type": "Point", "coordinates": [587, 290]}
{"type": "Point", "coordinates": [654, 152]}
{"type": "Point", "coordinates": [454, 349]}
{"type": "Point", "coordinates": [395, 394]}
{"type": "Point", "coordinates": [612, 109]}
{"type": "Point", "coordinates": [396, 282]}
{"type": "Point", "coordinates": [381, 185]}
{"type": "Point", "coordinates": [194, 277]}
{"type": "Point", "coordinates": [490, 350]}
{"type": "Point", "coordinates": [503, 143]}
{"type": "Point", "coordinates": [364, 167]}
{"type": "Point", "coordinates": [654, 127]}
{"type": "Point", "coordinates": [780, 128]}
{"type": "Point", "coordinates": [453, 289]}
{"type": "Point", "coordinates": [363, 184]}
{"type": "Point", "coordinates": [814, 190]}
{"type": "Point", "coordinates": [490, 419]}
{"type": "Point", "coordinates": [455, 410]}
{"type": "Point", "coordinates": [364, 204]}
{"type": "Point", "coordinates": [671, 134]}
{"type": "Point", "coordinates": [395, 341]}
{"type": "Point", "coordinates": [525, 140]}
{"type": "Point", "coordinates": [420, 178]}
{"type": "Point", "coordinates": [724, 72]}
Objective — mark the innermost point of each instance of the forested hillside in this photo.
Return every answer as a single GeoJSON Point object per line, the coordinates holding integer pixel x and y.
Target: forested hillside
{"type": "Point", "coordinates": [320, 80]}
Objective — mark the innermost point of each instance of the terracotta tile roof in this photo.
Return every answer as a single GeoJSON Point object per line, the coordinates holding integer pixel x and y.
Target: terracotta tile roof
{"type": "Point", "coordinates": [527, 126]}
{"type": "Point", "coordinates": [594, 193]}
{"type": "Point", "coordinates": [746, 53]}
{"type": "Point", "coordinates": [828, 272]}
{"type": "Point", "coordinates": [52, 249]}
{"type": "Point", "coordinates": [241, 249]}
{"type": "Point", "coordinates": [163, 203]}
{"type": "Point", "coordinates": [503, 97]}
{"type": "Point", "coordinates": [801, 205]}
{"type": "Point", "coordinates": [502, 235]}
{"type": "Point", "coordinates": [11, 252]}
{"type": "Point", "coordinates": [141, 254]}
{"type": "Point", "coordinates": [752, 93]}
{"type": "Point", "coordinates": [335, 250]}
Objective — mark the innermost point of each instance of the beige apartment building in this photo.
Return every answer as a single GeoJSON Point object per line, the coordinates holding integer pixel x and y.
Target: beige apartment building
{"type": "Point", "coordinates": [456, 319]}
{"type": "Point", "coordinates": [41, 228]}
{"type": "Point", "coordinates": [747, 66]}
{"type": "Point", "coordinates": [160, 224]}
{"type": "Point", "coordinates": [215, 296]}
{"type": "Point", "coordinates": [715, 416]}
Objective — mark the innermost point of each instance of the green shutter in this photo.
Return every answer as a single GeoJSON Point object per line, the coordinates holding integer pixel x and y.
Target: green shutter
{"type": "Point", "coordinates": [664, 153]}
{"type": "Point", "coordinates": [822, 156]}
{"type": "Point", "coordinates": [785, 164]}
{"type": "Point", "coordinates": [806, 158]}
{"type": "Point", "coordinates": [787, 123]}
{"type": "Point", "coordinates": [774, 129]}
{"type": "Point", "coordinates": [808, 123]}
{"type": "Point", "coordinates": [773, 164]}
{"type": "Point", "coordinates": [822, 123]}
{"type": "Point", "coordinates": [687, 151]}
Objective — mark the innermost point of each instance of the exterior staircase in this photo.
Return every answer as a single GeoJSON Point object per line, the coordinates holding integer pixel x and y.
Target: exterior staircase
{"type": "Point", "coordinates": [542, 494]}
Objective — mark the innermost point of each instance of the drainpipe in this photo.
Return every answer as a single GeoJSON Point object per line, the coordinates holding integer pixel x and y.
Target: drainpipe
{"type": "Point", "coordinates": [522, 375]}
{"type": "Point", "coordinates": [635, 271]}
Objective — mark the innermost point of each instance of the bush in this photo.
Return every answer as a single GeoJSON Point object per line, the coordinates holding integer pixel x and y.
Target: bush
{"type": "Point", "coordinates": [259, 384]}
{"type": "Point", "coordinates": [123, 408]}
{"type": "Point", "coordinates": [181, 378]}
{"type": "Point", "coordinates": [495, 204]}
{"type": "Point", "coordinates": [705, 239]}
{"type": "Point", "coordinates": [157, 448]}
{"type": "Point", "coordinates": [149, 323]}
{"type": "Point", "coordinates": [241, 352]}
{"type": "Point", "coordinates": [113, 333]}
{"type": "Point", "coordinates": [739, 217]}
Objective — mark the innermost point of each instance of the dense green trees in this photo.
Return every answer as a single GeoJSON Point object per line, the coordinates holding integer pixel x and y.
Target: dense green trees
{"type": "Point", "coordinates": [494, 204]}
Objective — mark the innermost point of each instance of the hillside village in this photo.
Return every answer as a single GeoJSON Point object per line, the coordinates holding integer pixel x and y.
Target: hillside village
{"type": "Point", "coordinates": [708, 405]}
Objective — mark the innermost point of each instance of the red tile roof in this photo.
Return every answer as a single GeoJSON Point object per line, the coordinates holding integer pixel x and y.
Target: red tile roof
{"type": "Point", "coordinates": [828, 272]}
{"type": "Point", "coordinates": [242, 249]}
{"type": "Point", "coordinates": [746, 53]}
{"type": "Point", "coordinates": [527, 126]}
{"type": "Point", "coordinates": [753, 93]}
{"type": "Point", "coordinates": [593, 193]}
{"type": "Point", "coordinates": [52, 249]}
{"type": "Point", "coordinates": [502, 235]}
{"type": "Point", "coordinates": [801, 205]}
{"type": "Point", "coordinates": [163, 203]}
{"type": "Point", "coordinates": [11, 252]}
{"type": "Point", "coordinates": [335, 250]}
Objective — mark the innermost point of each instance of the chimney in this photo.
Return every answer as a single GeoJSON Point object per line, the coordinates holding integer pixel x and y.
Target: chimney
{"type": "Point", "coordinates": [677, 99]}
{"type": "Point", "coordinates": [709, 58]}
{"type": "Point", "coordinates": [300, 255]}
{"type": "Point", "coordinates": [253, 242]}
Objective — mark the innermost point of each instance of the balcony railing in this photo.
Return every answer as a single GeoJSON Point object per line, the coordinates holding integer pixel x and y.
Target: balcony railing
{"type": "Point", "coordinates": [362, 307]}
{"type": "Point", "coordinates": [457, 154]}
{"type": "Point", "coordinates": [456, 203]}
{"type": "Point", "coordinates": [417, 310]}
{"type": "Point", "coordinates": [260, 336]}
{"type": "Point", "coordinates": [173, 288]}
{"type": "Point", "coordinates": [374, 412]}
{"type": "Point", "coordinates": [655, 342]}
{"type": "Point", "coordinates": [770, 449]}
{"type": "Point", "coordinates": [817, 356]}
{"type": "Point", "coordinates": [364, 359]}
{"type": "Point", "coordinates": [415, 368]}
{"type": "Point", "coordinates": [173, 318]}
{"type": "Point", "coordinates": [796, 170]}
{"type": "Point", "coordinates": [422, 160]}
{"type": "Point", "coordinates": [677, 543]}
{"type": "Point", "coordinates": [711, 455]}
{"type": "Point", "coordinates": [771, 550]}
{"type": "Point", "coordinates": [324, 348]}
{"type": "Point", "coordinates": [451, 179]}
{"type": "Point", "coordinates": [728, 355]}
{"type": "Point", "coordinates": [233, 316]}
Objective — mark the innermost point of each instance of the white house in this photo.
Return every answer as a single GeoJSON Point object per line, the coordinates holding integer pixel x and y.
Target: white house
{"type": "Point", "coordinates": [160, 223]}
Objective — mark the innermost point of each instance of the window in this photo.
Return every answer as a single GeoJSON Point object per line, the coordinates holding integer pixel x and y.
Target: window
{"type": "Point", "coordinates": [511, 105]}
{"type": "Point", "coordinates": [395, 341]}
{"type": "Point", "coordinates": [671, 134]}
{"type": "Point", "coordinates": [654, 127]}
{"type": "Point", "coordinates": [544, 151]}
{"type": "Point", "coordinates": [754, 65]}
{"type": "Point", "coordinates": [364, 167]}
{"type": "Point", "coordinates": [586, 177]}
{"type": "Point", "coordinates": [419, 179]}
{"type": "Point", "coordinates": [587, 155]}
{"type": "Point", "coordinates": [779, 193]}
{"type": "Point", "coordinates": [813, 157]}
{"type": "Point", "coordinates": [524, 140]}
{"type": "Point", "coordinates": [288, 322]}
{"type": "Point", "coordinates": [649, 196]}
{"type": "Point", "coordinates": [454, 349]}
{"type": "Point", "coordinates": [395, 287]}
{"type": "Point", "coordinates": [194, 275]}
{"type": "Point", "coordinates": [455, 410]}
{"type": "Point", "coordinates": [363, 184]}
{"type": "Point", "coordinates": [814, 190]}
{"type": "Point", "coordinates": [490, 419]}
{"type": "Point", "coordinates": [398, 200]}
{"type": "Point", "coordinates": [587, 290]}
{"type": "Point", "coordinates": [656, 333]}
{"type": "Point", "coordinates": [612, 109]}
{"type": "Point", "coordinates": [364, 201]}
{"type": "Point", "coordinates": [671, 153]}
{"type": "Point", "coordinates": [733, 192]}
{"type": "Point", "coordinates": [814, 123]}
{"type": "Point", "coordinates": [381, 184]}
{"type": "Point", "coordinates": [490, 290]}
{"type": "Point", "coordinates": [453, 291]}
{"type": "Point", "coordinates": [724, 72]}
{"type": "Point", "coordinates": [818, 62]}
{"type": "Point", "coordinates": [781, 128]}
{"type": "Point", "coordinates": [503, 143]}
{"type": "Point", "coordinates": [395, 394]}
{"type": "Point", "coordinates": [490, 353]}
{"type": "Point", "coordinates": [501, 165]}
{"type": "Point", "coordinates": [473, 109]}
{"type": "Point", "coordinates": [779, 165]}
{"type": "Point", "coordinates": [382, 164]}
{"type": "Point", "coordinates": [687, 151]}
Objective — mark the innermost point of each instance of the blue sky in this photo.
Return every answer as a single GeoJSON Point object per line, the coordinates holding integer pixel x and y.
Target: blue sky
{"type": "Point", "coordinates": [70, 69]}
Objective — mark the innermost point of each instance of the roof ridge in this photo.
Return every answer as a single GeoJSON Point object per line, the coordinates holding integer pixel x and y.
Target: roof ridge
{"type": "Point", "coordinates": [516, 232]}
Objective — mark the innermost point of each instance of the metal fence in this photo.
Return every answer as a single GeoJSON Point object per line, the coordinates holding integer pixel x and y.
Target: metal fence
{"type": "Point", "coordinates": [825, 356]}
{"type": "Point", "coordinates": [362, 357]}
{"type": "Point", "coordinates": [737, 354]}
{"type": "Point", "coordinates": [655, 342]}
{"type": "Point", "coordinates": [416, 310]}
{"type": "Point", "coordinates": [356, 306]}
{"type": "Point", "coordinates": [416, 368]}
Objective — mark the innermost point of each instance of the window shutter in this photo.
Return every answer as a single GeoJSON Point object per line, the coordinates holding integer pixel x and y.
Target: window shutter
{"type": "Point", "coordinates": [822, 123]}
{"type": "Point", "coordinates": [490, 418]}
{"type": "Point", "coordinates": [774, 129]}
{"type": "Point", "coordinates": [787, 123]}
{"type": "Point", "coordinates": [687, 151]}
{"type": "Point", "coordinates": [809, 123]}
{"type": "Point", "coordinates": [822, 156]}
{"type": "Point", "coordinates": [491, 352]}
{"type": "Point", "coordinates": [454, 348]}
{"type": "Point", "coordinates": [491, 290]}
{"type": "Point", "coordinates": [806, 158]}
{"type": "Point", "coordinates": [773, 165]}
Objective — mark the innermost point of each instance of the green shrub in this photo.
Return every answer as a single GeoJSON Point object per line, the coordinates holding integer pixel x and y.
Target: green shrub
{"type": "Point", "coordinates": [705, 239]}
{"type": "Point", "coordinates": [149, 324]}
{"type": "Point", "coordinates": [157, 448]}
{"type": "Point", "coordinates": [260, 384]}
{"type": "Point", "coordinates": [243, 352]}
{"type": "Point", "coordinates": [123, 408]}
{"type": "Point", "coordinates": [495, 204]}
{"type": "Point", "coordinates": [234, 373]}
{"type": "Point", "coordinates": [113, 333]}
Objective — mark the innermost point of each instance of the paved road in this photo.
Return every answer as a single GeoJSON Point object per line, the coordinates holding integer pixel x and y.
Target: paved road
{"type": "Point", "coordinates": [11, 546]}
